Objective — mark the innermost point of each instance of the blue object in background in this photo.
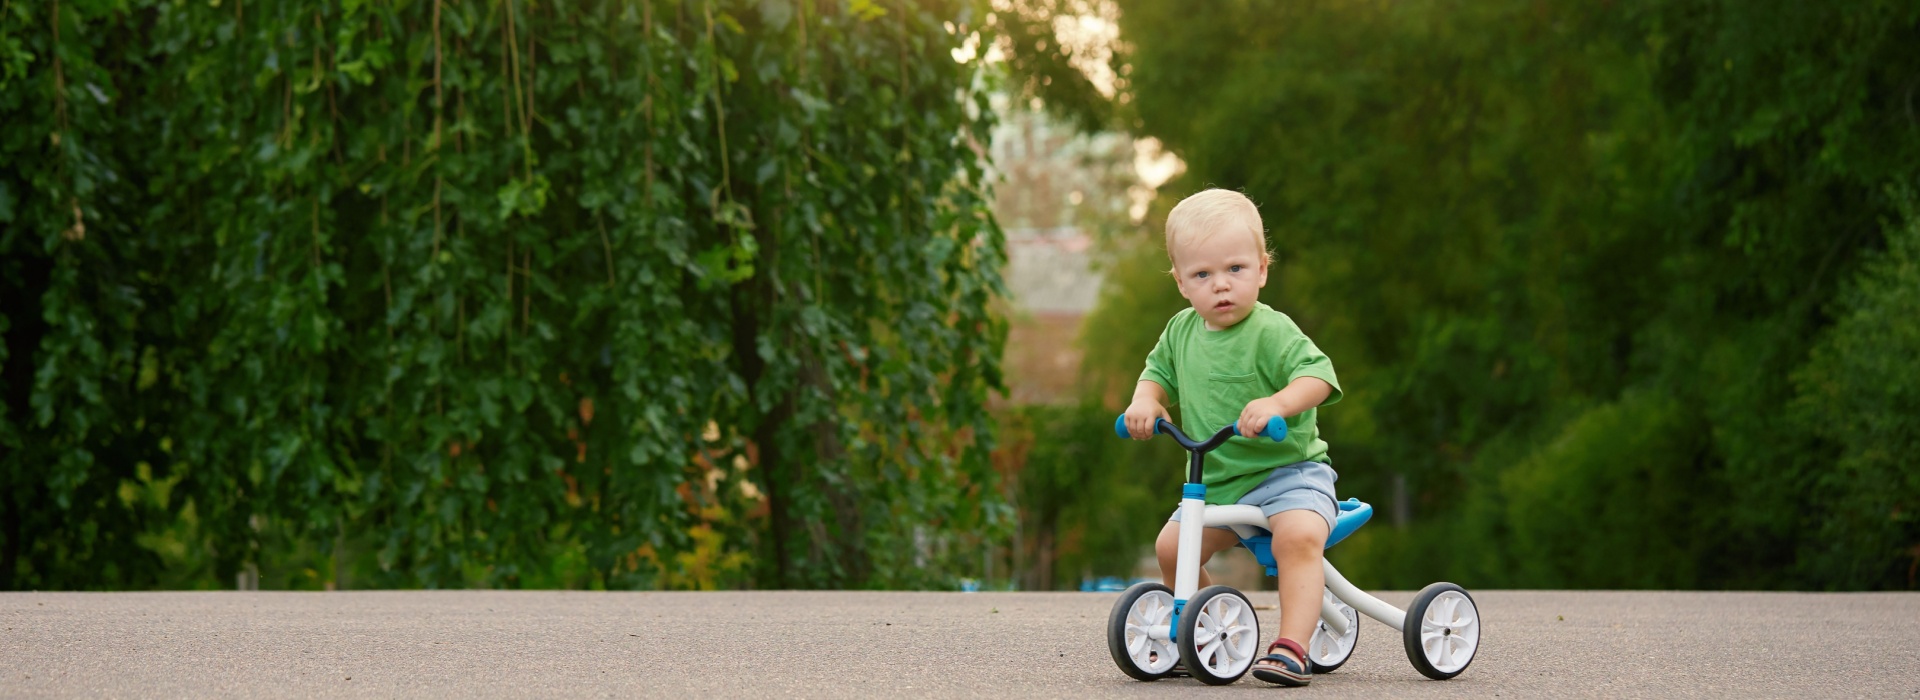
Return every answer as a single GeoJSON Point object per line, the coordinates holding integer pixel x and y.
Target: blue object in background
{"type": "Point", "coordinates": [1109, 584]}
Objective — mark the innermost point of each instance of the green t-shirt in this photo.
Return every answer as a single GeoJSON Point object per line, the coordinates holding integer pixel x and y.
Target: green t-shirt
{"type": "Point", "coordinates": [1212, 375]}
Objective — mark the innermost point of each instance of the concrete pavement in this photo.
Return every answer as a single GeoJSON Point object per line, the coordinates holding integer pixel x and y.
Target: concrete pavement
{"type": "Point", "coordinates": [903, 644]}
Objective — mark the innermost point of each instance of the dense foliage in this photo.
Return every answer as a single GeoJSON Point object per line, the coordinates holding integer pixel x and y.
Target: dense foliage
{"type": "Point", "coordinates": [1622, 294]}
{"type": "Point", "coordinates": [494, 292]}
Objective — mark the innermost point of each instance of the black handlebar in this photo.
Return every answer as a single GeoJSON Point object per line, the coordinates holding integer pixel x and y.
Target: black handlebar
{"type": "Point", "coordinates": [1198, 449]}
{"type": "Point", "coordinates": [1219, 438]}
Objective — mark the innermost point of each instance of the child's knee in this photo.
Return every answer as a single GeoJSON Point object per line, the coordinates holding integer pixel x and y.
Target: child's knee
{"type": "Point", "coordinates": [1296, 543]}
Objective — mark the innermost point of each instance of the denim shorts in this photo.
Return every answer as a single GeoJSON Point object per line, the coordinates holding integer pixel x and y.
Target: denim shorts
{"type": "Point", "coordinates": [1297, 486]}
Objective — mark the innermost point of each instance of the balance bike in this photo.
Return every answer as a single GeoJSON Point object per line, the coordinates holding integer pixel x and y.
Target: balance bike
{"type": "Point", "coordinates": [1214, 632]}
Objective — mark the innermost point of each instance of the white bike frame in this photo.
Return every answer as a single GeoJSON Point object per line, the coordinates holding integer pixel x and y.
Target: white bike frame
{"type": "Point", "coordinates": [1247, 521]}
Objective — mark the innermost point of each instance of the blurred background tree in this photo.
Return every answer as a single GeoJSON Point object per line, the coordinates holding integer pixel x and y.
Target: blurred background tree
{"type": "Point", "coordinates": [1620, 292]}
{"type": "Point", "coordinates": [495, 293]}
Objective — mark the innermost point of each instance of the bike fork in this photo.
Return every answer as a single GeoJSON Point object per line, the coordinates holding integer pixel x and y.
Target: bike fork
{"type": "Point", "coordinates": [1186, 571]}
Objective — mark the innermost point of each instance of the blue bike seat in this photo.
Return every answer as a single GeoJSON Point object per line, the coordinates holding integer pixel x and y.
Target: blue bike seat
{"type": "Point", "coordinates": [1353, 514]}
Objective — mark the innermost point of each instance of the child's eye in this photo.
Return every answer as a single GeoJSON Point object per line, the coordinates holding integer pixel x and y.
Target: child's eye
{"type": "Point", "coordinates": [1201, 275]}
{"type": "Point", "coordinates": [1235, 268]}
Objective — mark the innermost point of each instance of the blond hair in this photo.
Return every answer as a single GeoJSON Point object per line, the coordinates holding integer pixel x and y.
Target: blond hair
{"type": "Point", "coordinates": [1215, 211]}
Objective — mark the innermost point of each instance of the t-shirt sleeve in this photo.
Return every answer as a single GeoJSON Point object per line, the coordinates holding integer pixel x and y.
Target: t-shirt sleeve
{"type": "Point", "coordinates": [1160, 366]}
{"type": "Point", "coordinates": [1304, 359]}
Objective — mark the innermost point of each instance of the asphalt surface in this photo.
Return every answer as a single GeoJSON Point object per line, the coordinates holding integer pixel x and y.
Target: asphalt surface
{"type": "Point", "coordinates": [1535, 644]}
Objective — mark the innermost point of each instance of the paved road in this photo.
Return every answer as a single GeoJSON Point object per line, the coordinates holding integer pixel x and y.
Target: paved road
{"type": "Point", "coordinates": [858, 644]}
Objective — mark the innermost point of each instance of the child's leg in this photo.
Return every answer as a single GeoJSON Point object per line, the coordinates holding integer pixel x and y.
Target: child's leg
{"type": "Point", "coordinates": [1299, 543]}
{"type": "Point", "coordinates": [1167, 549]}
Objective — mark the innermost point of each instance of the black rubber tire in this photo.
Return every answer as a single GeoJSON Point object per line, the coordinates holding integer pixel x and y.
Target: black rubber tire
{"type": "Point", "coordinates": [1410, 630]}
{"type": "Point", "coordinates": [1117, 631]}
{"type": "Point", "coordinates": [1190, 616]}
{"type": "Point", "coordinates": [1317, 667]}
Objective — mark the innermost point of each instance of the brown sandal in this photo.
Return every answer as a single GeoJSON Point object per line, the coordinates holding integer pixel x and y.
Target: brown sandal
{"type": "Point", "coordinates": [1274, 668]}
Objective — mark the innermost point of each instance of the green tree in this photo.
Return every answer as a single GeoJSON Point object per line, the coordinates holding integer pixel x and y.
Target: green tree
{"type": "Point", "coordinates": [1581, 268]}
{"type": "Point", "coordinates": [496, 293]}
{"type": "Point", "coordinates": [1860, 393]}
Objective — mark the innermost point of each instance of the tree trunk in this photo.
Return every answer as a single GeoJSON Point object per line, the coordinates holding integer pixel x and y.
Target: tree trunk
{"type": "Point", "coordinates": [28, 277]}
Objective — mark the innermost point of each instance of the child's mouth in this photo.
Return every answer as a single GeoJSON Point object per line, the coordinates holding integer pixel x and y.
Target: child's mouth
{"type": "Point", "coordinates": [1222, 306]}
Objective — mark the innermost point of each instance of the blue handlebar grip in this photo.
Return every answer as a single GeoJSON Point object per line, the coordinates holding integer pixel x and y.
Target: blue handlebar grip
{"type": "Point", "coordinates": [1276, 429]}
{"type": "Point", "coordinates": [1120, 426]}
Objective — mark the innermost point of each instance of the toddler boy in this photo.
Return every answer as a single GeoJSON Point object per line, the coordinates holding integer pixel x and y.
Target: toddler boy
{"type": "Point", "coordinates": [1233, 359]}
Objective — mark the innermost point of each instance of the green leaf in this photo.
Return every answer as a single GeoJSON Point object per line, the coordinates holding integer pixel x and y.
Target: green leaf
{"type": "Point", "coordinates": [867, 10]}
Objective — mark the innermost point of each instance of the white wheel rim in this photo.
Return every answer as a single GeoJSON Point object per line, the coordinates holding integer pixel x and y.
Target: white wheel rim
{"type": "Point", "coordinates": [1328, 649]}
{"type": "Point", "coordinates": [1154, 609]}
{"type": "Point", "coordinates": [1225, 634]}
{"type": "Point", "coordinates": [1450, 631]}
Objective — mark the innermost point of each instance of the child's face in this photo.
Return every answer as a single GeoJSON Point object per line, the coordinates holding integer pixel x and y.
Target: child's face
{"type": "Point", "coordinates": [1221, 275]}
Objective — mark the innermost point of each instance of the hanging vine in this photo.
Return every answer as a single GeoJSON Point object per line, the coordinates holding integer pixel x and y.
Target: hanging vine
{"type": "Point", "coordinates": [702, 302]}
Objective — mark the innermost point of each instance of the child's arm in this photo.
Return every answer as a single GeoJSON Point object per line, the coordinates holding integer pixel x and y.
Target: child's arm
{"type": "Point", "coordinates": [1302, 394]}
{"type": "Point", "coordinates": [1149, 406]}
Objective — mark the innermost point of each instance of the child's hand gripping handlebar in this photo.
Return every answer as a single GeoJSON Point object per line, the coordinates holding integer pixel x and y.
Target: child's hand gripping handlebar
{"type": "Point", "coordinates": [1197, 450]}
{"type": "Point", "coordinates": [1276, 431]}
